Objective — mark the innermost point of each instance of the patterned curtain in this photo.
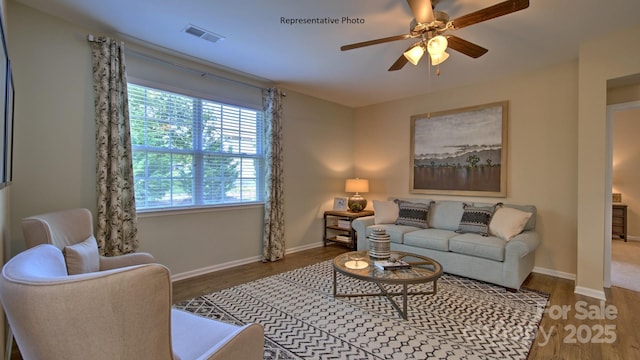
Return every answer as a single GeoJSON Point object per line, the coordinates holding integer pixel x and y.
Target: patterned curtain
{"type": "Point", "coordinates": [117, 224]}
{"type": "Point", "coordinates": [273, 236]}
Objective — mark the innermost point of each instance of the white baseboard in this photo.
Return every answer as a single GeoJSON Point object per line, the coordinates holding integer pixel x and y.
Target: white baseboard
{"type": "Point", "coordinates": [633, 238]}
{"type": "Point", "coordinates": [304, 247]}
{"type": "Point", "coordinates": [594, 293]}
{"type": "Point", "coordinates": [555, 273]}
{"type": "Point", "coordinates": [598, 294]}
{"type": "Point", "coordinates": [213, 268]}
{"type": "Point", "coordinates": [230, 264]}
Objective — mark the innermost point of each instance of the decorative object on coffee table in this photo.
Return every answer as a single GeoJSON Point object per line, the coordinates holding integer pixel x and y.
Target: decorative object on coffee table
{"type": "Point", "coordinates": [379, 244]}
{"type": "Point", "coordinates": [357, 261]}
{"type": "Point", "coordinates": [357, 202]}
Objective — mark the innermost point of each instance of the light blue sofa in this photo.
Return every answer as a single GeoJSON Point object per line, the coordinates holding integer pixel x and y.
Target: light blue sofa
{"type": "Point", "coordinates": [486, 258]}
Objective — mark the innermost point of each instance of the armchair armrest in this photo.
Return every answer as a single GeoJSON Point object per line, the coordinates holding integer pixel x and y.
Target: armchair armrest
{"type": "Point", "coordinates": [196, 337]}
{"type": "Point", "coordinates": [360, 226]}
{"type": "Point", "coordinates": [116, 262]}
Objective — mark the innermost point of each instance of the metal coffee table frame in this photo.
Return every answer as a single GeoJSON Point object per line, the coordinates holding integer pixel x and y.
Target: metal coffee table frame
{"type": "Point", "coordinates": [423, 270]}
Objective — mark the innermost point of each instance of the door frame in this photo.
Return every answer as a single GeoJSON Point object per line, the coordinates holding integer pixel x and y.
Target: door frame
{"type": "Point", "coordinates": [611, 111]}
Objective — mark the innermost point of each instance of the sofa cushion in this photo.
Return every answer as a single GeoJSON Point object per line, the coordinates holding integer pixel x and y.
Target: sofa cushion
{"type": "Point", "coordinates": [435, 239]}
{"type": "Point", "coordinates": [413, 213]}
{"type": "Point", "coordinates": [386, 212]}
{"type": "Point", "coordinates": [531, 223]}
{"type": "Point", "coordinates": [488, 247]}
{"type": "Point", "coordinates": [82, 258]}
{"type": "Point", "coordinates": [446, 214]}
{"type": "Point", "coordinates": [508, 222]}
{"type": "Point", "coordinates": [396, 232]}
{"type": "Point", "coordinates": [476, 219]}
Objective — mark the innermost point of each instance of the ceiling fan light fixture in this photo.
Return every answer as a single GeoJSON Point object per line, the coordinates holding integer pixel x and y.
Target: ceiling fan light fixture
{"type": "Point", "coordinates": [439, 59]}
{"type": "Point", "coordinates": [414, 54]}
{"type": "Point", "coordinates": [437, 45]}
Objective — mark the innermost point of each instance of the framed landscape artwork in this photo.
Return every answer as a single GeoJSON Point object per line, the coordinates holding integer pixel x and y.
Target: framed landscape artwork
{"type": "Point", "coordinates": [460, 152]}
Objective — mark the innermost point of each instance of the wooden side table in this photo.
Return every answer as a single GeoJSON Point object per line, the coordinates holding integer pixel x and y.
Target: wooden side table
{"type": "Point", "coordinates": [619, 221]}
{"type": "Point", "coordinates": [338, 229]}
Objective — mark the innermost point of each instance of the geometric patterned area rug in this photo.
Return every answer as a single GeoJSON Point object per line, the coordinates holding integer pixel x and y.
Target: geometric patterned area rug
{"type": "Point", "coordinates": [466, 319]}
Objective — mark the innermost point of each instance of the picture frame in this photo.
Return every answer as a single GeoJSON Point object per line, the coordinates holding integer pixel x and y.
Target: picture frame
{"type": "Point", "coordinates": [4, 81]}
{"type": "Point", "coordinates": [8, 130]}
{"type": "Point", "coordinates": [340, 203]}
{"type": "Point", "coordinates": [460, 152]}
{"type": "Point", "coordinates": [616, 197]}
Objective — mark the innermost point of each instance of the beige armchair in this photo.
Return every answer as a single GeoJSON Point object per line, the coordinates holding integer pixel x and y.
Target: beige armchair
{"type": "Point", "coordinates": [115, 314]}
{"type": "Point", "coordinates": [71, 227]}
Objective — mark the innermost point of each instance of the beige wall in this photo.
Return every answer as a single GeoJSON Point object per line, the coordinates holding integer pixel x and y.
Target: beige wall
{"type": "Point", "coordinates": [626, 172]}
{"type": "Point", "coordinates": [596, 67]}
{"type": "Point", "coordinates": [55, 166]}
{"type": "Point", "coordinates": [542, 149]}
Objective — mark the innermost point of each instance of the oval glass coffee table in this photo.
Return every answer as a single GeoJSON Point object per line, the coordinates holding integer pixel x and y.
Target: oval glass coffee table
{"type": "Point", "coordinates": [358, 264]}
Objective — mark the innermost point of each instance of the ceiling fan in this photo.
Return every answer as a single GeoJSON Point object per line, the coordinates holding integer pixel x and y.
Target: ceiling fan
{"type": "Point", "coordinates": [430, 27]}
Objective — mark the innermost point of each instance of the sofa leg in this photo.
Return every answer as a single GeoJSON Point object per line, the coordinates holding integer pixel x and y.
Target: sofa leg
{"type": "Point", "coordinates": [512, 290]}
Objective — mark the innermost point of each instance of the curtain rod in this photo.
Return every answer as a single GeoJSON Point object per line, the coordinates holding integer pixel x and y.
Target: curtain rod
{"type": "Point", "coordinates": [201, 73]}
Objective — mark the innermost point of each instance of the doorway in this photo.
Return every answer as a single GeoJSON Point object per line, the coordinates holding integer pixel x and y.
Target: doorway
{"type": "Point", "coordinates": [622, 258]}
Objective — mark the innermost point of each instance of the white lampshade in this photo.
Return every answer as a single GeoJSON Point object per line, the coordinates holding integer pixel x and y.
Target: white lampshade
{"type": "Point", "coordinates": [437, 45]}
{"type": "Point", "coordinates": [414, 54]}
{"type": "Point", "coordinates": [439, 59]}
{"type": "Point", "coordinates": [356, 185]}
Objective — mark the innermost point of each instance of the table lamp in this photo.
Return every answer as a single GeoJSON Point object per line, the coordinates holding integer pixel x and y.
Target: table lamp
{"type": "Point", "coordinates": [357, 203]}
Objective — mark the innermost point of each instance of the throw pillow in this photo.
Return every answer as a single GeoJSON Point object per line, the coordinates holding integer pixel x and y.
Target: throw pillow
{"type": "Point", "coordinates": [413, 214]}
{"type": "Point", "coordinates": [82, 257]}
{"type": "Point", "coordinates": [508, 222]}
{"type": "Point", "coordinates": [386, 212]}
{"type": "Point", "coordinates": [476, 219]}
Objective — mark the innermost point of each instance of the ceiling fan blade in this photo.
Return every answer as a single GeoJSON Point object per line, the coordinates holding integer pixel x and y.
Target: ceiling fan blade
{"type": "Point", "coordinates": [402, 60]}
{"type": "Point", "coordinates": [374, 42]}
{"type": "Point", "coordinates": [422, 10]}
{"type": "Point", "coordinates": [466, 47]}
{"type": "Point", "coordinates": [503, 8]}
{"type": "Point", "coordinates": [399, 64]}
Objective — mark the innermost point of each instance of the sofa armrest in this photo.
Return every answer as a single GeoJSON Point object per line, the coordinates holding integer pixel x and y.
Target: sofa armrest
{"type": "Point", "coordinates": [360, 226]}
{"type": "Point", "coordinates": [523, 244]}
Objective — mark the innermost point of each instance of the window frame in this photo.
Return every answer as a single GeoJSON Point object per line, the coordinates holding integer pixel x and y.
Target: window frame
{"type": "Point", "coordinates": [198, 205]}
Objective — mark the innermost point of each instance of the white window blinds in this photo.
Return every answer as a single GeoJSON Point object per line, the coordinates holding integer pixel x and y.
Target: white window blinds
{"type": "Point", "coordinates": [193, 152]}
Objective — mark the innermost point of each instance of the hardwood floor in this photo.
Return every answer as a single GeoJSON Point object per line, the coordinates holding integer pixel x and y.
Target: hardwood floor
{"type": "Point", "coordinates": [205, 284]}
{"type": "Point", "coordinates": [562, 334]}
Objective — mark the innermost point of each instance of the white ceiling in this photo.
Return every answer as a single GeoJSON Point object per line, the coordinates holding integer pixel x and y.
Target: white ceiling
{"type": "Point", "coordinates": [306, 58]}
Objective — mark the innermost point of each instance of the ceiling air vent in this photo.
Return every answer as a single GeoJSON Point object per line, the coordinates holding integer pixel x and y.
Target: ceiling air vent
{"type": "Point", "coordinates": [203, 34]}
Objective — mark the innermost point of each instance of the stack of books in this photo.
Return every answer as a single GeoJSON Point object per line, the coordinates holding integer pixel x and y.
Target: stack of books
{"type": "Point", "coordinates": [345, 224]}
{"type": "Point", "coordinates": [344, 238]}
{"type": "Point", "coordinates": [392, 265]}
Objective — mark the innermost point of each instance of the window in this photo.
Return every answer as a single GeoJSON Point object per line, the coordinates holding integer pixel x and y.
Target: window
{"type": "Point", "coordinates": [192, 152]}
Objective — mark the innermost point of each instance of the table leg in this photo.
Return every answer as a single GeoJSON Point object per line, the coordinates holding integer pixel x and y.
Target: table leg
{"type": "Point", "coordinates": [334, 282]}
{"type": "Point", "coordinates": [404, 301]}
